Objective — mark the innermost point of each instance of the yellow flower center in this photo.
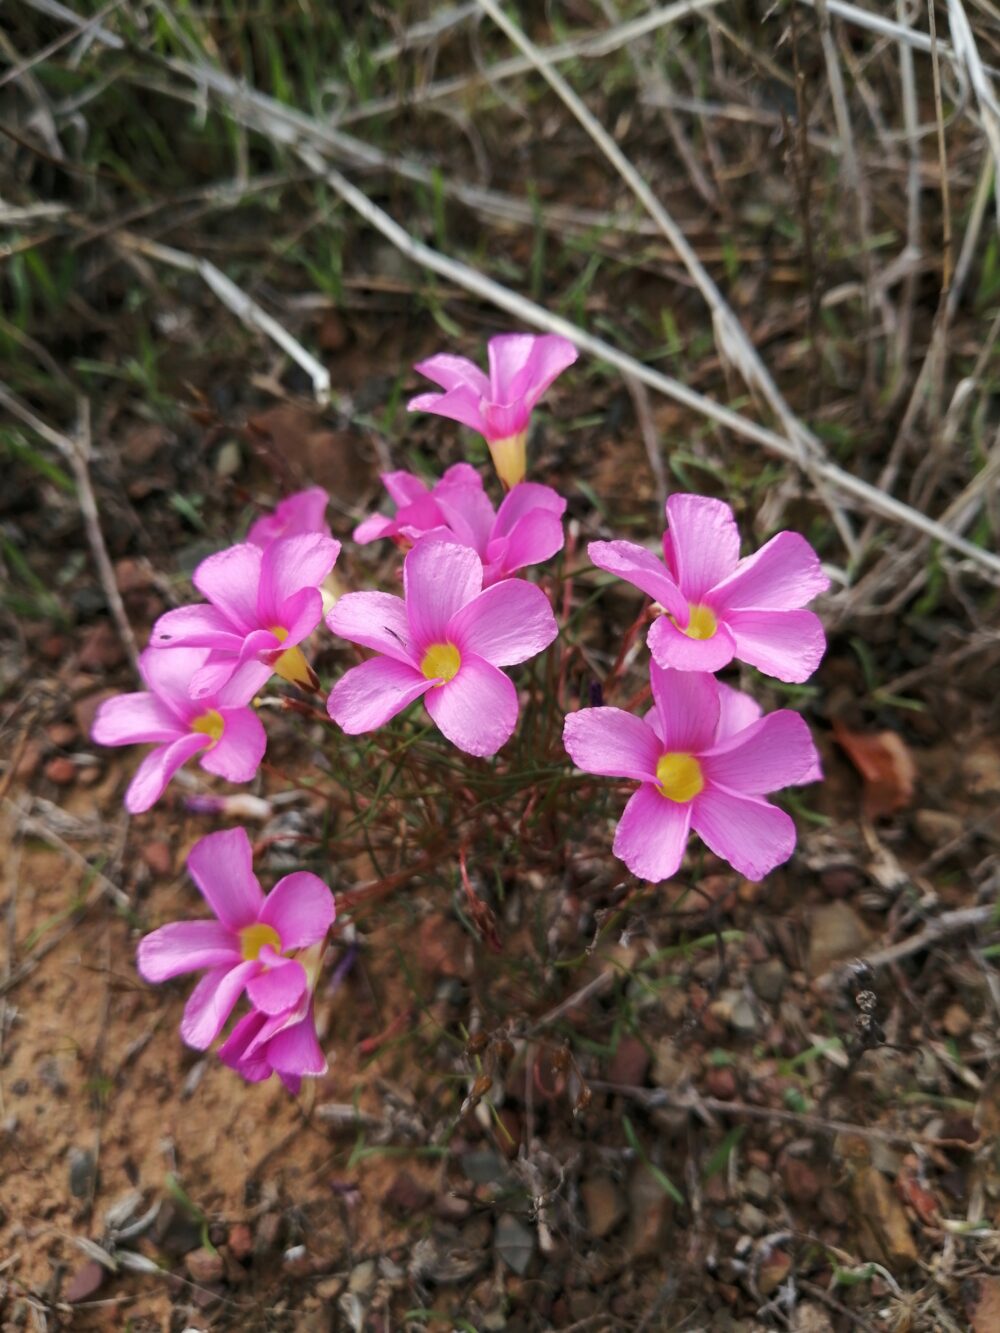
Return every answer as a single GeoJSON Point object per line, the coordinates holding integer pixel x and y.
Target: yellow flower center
{"type": "Point", "coordinates": [210, 724]}
{"type": "Point", "coordinates": [441, 662]}
{"type": "Point", "coordinates": [279, 633]}
{"type": "Point", "coordinates": [680, 777]}
{"type": "Point", "coordinates": [292, 664]}
{"type": "Point", "coordinates": [253, 938]}
{"type": "Point", "coordinates": [509, 458]}
{"type": "Point", "coordinates": [702, 623]}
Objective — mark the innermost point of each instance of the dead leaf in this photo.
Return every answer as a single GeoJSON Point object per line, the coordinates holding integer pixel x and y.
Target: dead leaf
{"type": "Point", "coordinates": [982, 1303]}
{"type": "Point", "coordinates": [882, 1220]}
{"type": "Point", "coordinates": [886, 767]}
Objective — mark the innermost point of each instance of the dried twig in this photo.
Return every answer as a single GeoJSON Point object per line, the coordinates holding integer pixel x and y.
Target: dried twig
{"type": "Point", "coordinates": [77, 452]}
{"type": "Point", "coordinates": [948, 923]}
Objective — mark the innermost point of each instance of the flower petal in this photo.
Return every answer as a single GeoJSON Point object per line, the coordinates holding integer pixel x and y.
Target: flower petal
{"type": "Point", "coordinates": [305, 511]}
{"type": "Point", "coordinates": [527, 497]}
{"type": "Point", "coordinates": [373, 528]}
{"type": "Point", "coordinates": [505, 624]}
{"type": "Point", "coordinates": [439, 577]}
{"type": "Point", "coordinates": [296, 1050]}
{"type": "Point", "coordinates": [277, 988]}
{"type": "Point", "coordinates": [613, 743]}
{"type": "Point", "coordinates": [451, 372]}
{"type": "Point", "coordinates": [523, 365]}
{"type": "Point", "coordinates": [367, 696]}
{"type": "Point", "coordinates": [404, 487]}
{"type": "Point", "coordinates": [237, 754]}
{"type": "Point", "coordinates": [467, 511]}
{"type": "Point", "coordinates": [704, 541]}
{"type": "Point", "coordinates": [374, 620]}
{"type": "Point", "coordinates": [287, 567]}
{"type": "Point", "coordinates": [687, 709]}
{"type": "Point", "coordinates": [199, 626]}
{"type": "Point", "coordinates": [211, 1002]}
{"type": "Point", "coordinates": [461, 404]}
{"type": "Point", "coordinates": [301, 613]}
{"type": "Point", "coordinates": [159, 766]}
{"type": "Point", "coordinates": [301, 909]}
{"type": "Point", "coordinates": [643, 570]}
{"type": "Point", "coordinates": [186, 946]}
{"type": "Point", "coordinates": [534, 538]}
{"type": "Point", "coordinates": [221, 864]}
{"type": "Point", "coordinates": [130, 719]}
{"type": "Point", "coordinates": [750, 834]}
{"type": "Point", "coordinates": [782, 576]}
{"type": "Point", "coordinates": [671, 647]}
{"type": "Point", "coordinates": [736, 711]}
{"type": "Point", "coordinates": [230, 579]}
{"type": "Point", "coordinates": [786, 644]}
{"type": "Point", "coordinates": [652, 834]}
{"type": "Point", "coordinates": [169, 673]}
{"type": "Point", "coordinates": [477, 710]}
{"type": "Point", "coordinates": [232, 1052]}
{"type": "Point", "coordinates": [774, 752]}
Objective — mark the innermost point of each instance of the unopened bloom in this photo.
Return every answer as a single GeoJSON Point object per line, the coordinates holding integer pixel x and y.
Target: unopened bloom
{"type": "Point", "coordinates": [522, 366]}
{"type": "Point", "coordinates": [705, 759]}
{"type": "Point", "coordinates": [247, 947]}
{"type": "Point", "coordinates": [303, 512]}
{"type": "Point", "coordinates": [525, 530]}
{"type": "Point", "coordinates": [285, 1044]}
{"type": "Point", "coordinates": [220, 728]}
{"type": "Point", "coordinates": [261, 605]}
{"type": "Point", "coordinates": [717, 606]}
{"type": "Point", "coordinates": [446, 642]}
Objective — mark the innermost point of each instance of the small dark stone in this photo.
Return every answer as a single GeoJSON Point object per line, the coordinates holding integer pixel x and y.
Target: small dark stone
{"type": "Point", "coordinates": [82, 1173]}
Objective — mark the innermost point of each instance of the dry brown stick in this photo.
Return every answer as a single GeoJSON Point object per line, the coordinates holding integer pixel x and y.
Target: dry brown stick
{"type": "Point", "coordinates": [76, 451]}
{"type": "Point", "coordinates": [948, 923]}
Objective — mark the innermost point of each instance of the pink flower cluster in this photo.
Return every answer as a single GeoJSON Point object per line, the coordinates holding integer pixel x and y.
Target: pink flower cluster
{"type": "Point", "coordinates": [462, 618]}
{"type": "Point", "coordinates": [268, 948]}
{"type": "Point", "coordinates": [703, 755]}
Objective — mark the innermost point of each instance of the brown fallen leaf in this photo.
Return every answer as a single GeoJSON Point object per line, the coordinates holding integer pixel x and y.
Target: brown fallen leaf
{"type": "Point", "coordinates": [886, 767]}
{"type": "Point", "coordinates": [884, 1229]}
{"type": "Point", "coordinates": [982, 1303]}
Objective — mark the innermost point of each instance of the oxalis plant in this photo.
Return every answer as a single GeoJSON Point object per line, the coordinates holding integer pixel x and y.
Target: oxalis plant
{"type": "Point", "coordinates": [702, 756]}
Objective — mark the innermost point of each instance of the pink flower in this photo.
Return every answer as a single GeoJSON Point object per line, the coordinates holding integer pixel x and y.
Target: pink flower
{"type": "Point", "coordinates": [220, 727]}
{"type": "Point", "coordinates": [525, 530]}
{"type": "Point", "coordinates": [717, 606]}
{"type": "Point", "coordinates": [261, 605]}
{"type": "Point", "coordinates": [445, 642]}
{"type": "Point", "coordinates": [522, 366]}
{"type": "Point", "coordinates": [285, 1043]}
{"type": "Point", "coordinates": [303, 512]}
{"type": "Point", "coordinates": [247, 947]}
{"type": "Point", "coordinates": [705, 758]}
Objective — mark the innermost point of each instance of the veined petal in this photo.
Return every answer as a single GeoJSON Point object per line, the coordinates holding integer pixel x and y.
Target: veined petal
{"type": "Point", "coordinates": [461, 404]}
{"type": "Point", "coordinates": [467, 511]}
{"type": "Point", "coordinates": [373, 620]}
{"type": "Point", "coordinates": [221, 864]}
{"type": "Point", "coordinates": [159, 766]}
{"type": "Point", "coordinates": [200, 626]}
{"type": "Point", "coordinates": [404, 487]}
{"type": "Point", "coordinates": [477, 709]}
{"type": "Point", "coordinates": [305, 511]}
{"type": "Point", "coordinates": [652, 834]}
{"type": "Point", "coordinates": [774, 752]}
{"type": "Point", "coordinates": [301, 909]}
{"type": "Point", "coordinates": [277, 988]}
{"type": "Point", "coordinates": [301, 613]}
{"type": "Point", "coordinates": [367, 696]}
{"type": "Point", "coordinates": [452, 372]}
{"type": "Point", "coordinates": [505, 624]}
{"type": "Point", "coordinates": [782, 576]}
{"type": "Point", "coordinates": [242, 685]}
{"type": "Point", "coordinates": [736, 711]}
{"type": "Point", "coordinates": [705, 542]}
{"type": "Point", "coordinates": [643, 570]}
{"type": "Point", "coordinates": [237, 754]}
{"type": "Point", "coordinates": [672, 648]}
{"type": "Point", "coordinates": [214, 676]}
{"type": "Point", "coordinates": [534, 538]}
{"type": "Point", "coordinates": [750, 834]}
{"type": "Point", "coordinates": [439, 577]}
{"type": "Point", "coordinates": [687, 706]}
{"type": "Point", "coordinates": [523, 365]}
{"type": "Point", "coordinates": [169, 675]}
{"type": "Point", "coordinates": [296, 1050]}
{"type": "Point", "coordinates": [130, 719]}
{"type": "Point", "coordinates": [373, 528]}
{"type": "Point", "coordinates": [288, 566]}
{"type": "Point", "coordinates": [527, 497]}
{"type": "Point", "coordinates": [613, 743]}
{"type": "Point", "coordinates": [212, 1001]}
{"type": "Point", "coordinates": [186, 946]}
{"type": "Point", "coordinates": [230, 580]}
{"type": "Point", "coordinates": [233, 1051]}
{"type": "Point", "coordinates": [788, 645]}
